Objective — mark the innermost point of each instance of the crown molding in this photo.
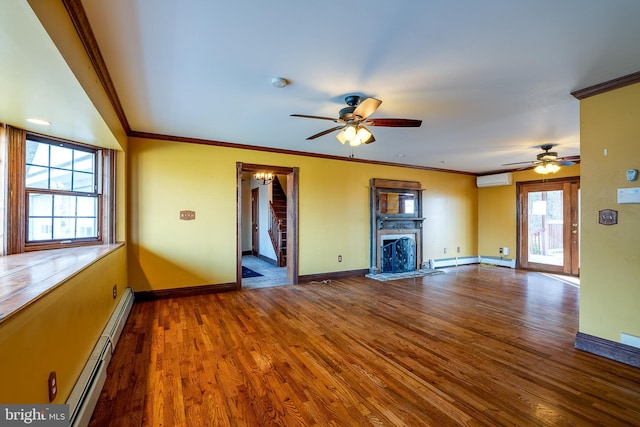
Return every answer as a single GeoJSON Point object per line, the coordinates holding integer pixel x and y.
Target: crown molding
{"type": "Point", "coordinates": [607, 86]}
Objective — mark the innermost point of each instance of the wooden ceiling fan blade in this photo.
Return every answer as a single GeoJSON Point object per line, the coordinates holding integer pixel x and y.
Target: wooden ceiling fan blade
{"type": "Point", "coordinates": [366, 108]}
{"type": "Point", "coordinates": [530, 163]}
{"type": "Point", "coordinates": [395, 123]}
{"type": "Point", "coordinates": [565, 162]}
{"type": "Point", "coordinates": [571, 158]}
{"type": "Point", "coordinates": [306, 116]}
{"type": "Point", "coordinates": [324, 132]}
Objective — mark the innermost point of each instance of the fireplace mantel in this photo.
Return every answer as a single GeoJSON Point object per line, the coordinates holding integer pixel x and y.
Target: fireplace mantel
{"type": "Point", "coordinates": [397, 223]}
{"type": "Point", "coordinates": [396, 208]}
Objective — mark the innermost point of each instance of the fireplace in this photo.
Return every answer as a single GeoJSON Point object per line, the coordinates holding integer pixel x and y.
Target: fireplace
{"type": "Point", "coordinates": [396, 226]}
{"type": "Point", "coordinates": [398, 254]}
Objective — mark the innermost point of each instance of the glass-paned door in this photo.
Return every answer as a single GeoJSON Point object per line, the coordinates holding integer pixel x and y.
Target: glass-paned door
{"type": "Point", "coordinates": [548, 227]}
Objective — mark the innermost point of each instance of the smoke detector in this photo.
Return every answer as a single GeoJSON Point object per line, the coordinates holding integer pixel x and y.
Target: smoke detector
{"type": "Point", "coordinates": [279, 82]}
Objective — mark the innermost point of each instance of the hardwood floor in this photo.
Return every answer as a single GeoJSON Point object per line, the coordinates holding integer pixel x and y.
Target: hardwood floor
{"type": "Point", "coordinates": [476, 346]}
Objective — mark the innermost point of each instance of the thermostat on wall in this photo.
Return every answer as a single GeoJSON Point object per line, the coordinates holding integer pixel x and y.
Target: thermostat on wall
{"type": "Point", "coordinates": [629, 195]}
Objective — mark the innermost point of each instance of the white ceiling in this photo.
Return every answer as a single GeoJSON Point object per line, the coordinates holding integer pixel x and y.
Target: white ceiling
{"type": "Point", "coordinates": [490, 80]}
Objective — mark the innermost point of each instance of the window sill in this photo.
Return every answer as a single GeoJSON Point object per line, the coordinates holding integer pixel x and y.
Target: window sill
{"type": "Point", "coordinates": [27, 277]}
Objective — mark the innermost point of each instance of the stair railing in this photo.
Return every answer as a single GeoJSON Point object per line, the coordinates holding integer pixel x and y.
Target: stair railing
{"type": "Point", "coordinates": [275, 233]}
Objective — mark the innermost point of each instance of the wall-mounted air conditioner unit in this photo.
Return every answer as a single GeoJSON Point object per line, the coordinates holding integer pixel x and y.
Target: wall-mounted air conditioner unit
{"type": "Point", "coordinates": [494, 180]}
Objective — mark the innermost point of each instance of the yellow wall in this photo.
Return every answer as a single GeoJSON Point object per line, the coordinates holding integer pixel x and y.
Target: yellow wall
{"type": "Point", "coordinates": [610, 290]}
{"type": "Point", "coordinates": [497, 207]}
{"type": "Point", "coordinates": [58, 332]}
{"type": "Point", "coordinates": [166, 177]}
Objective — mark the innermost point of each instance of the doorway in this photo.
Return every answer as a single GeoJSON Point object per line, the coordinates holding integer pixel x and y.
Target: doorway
{"type": "Point", "coordinates": [291, 218]}
{"type": "Point", "coordinates": [548, 226]}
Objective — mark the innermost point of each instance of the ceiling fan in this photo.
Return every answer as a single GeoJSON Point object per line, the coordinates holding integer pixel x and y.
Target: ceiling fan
{"type": "Point", "coordinates": [352, 121]}
{"type": "Point", "coordinates": [547, 161]}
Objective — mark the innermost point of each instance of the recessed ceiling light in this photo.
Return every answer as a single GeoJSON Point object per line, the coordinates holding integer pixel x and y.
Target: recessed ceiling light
{"type": "Point", "coordinates": [39, 122]}
{"type": "Point", "coordinates": [279, 82]}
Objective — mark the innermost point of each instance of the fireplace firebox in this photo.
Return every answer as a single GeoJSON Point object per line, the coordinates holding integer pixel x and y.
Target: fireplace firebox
{"type": "Point", "coordinates": [398, 255]}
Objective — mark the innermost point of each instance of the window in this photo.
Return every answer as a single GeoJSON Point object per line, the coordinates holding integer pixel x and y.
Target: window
{"type": "Point", "coordinates": [62, 191]}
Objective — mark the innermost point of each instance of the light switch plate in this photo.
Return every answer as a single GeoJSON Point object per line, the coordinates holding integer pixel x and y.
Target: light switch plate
{"type": "Point", "coordinates": [608, 217]}
{"type": "Point", "coordinates": [187, 215]}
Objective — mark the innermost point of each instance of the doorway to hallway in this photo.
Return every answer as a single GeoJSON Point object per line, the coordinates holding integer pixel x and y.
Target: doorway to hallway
{"type": "Point", "coordinates": [246, 224]}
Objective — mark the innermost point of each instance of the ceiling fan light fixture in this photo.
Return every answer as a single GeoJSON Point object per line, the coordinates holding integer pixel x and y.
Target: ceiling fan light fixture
{"type": "Point", "coordinates": [546, 168]}
{"type": "Point", "coordinates": [341, 137]}
{"type": "Point", "coordinates": [363, 134]}
{"type": "Point", "coordinates": [350, 133]}
{"type": "Point", "coordinates": [354, 135]}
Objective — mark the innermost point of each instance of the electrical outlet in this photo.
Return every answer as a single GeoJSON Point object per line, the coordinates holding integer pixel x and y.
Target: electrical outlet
{"type": "Point", "coordinates": [53, 386]}
{"type": "Point", "coordinates": [115, 291]}
{"type": "Point", "coordinates": [458, 249]}
{"type": "Point", "coordinates": [339, 258]}
{"type": "Point", "coordinates": [500, 250]}
{"type": "Point", "coordinates": [445, 250]}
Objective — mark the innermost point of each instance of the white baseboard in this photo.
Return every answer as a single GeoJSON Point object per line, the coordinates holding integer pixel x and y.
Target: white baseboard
{"type": "Point", "coordinates": [502, 262]}
{"type": "Point", "coordinates": [85, 393]}
{"type": "Point", "coordinates": [481, 259]}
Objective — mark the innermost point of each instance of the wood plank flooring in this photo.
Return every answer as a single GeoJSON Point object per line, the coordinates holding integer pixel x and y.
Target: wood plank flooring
{"type": "Point", "coordinates": [476, 346]}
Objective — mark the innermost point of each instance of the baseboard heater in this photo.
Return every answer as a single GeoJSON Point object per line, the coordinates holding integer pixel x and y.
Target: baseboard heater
{"type": "Point", "coordinates": [84, 396]}
{"type": "Point", "coordinates": [481, 259]}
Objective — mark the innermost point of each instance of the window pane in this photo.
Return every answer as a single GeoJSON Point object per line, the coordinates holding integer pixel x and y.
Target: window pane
{"type": "Point", "coordinates": [37, 153]}
{"type": "Point", "coordinates": [83, 182]}
{"type": "Point", "coordinates": [83, 161]}
{"type": "Point", "coordinates": [88, 206]}
{"type": "Point", "coordinates": [61, 157]}
{"type": "Point", "coordinates": [64, 206]}
{"type": "Point", "coordinates": [37, 177]}
{"type": "Point", "coordinates": [545, 227]}
{"type": "Point", "coordinates": [40, 205]}
{"type": "Point", "coordinates": [40, 229]}
{"type": "Point", "coordinates": [86, 227]}
{"type": "Point", "coordinates": [68, 174]}
{"type": "Point", "coordinates": [64, 228]}
{"type": "Point", "coordinates": [60, 179]}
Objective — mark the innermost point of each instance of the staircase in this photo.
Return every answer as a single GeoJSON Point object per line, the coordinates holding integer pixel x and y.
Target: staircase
{"type": "Point", "coordinates": [278, 222]}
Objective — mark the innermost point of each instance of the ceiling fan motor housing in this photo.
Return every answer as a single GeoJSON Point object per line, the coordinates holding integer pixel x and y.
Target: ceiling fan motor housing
{"type": "Point", "coordinates": [547, 155]}
{"type": "Point", "coordinates": [346, 113]}
{"type": "Point", "coordinates": [352, 100]}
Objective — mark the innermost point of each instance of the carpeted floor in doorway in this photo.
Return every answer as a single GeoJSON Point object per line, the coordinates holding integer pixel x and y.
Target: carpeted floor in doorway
{"type": "Point", "coordinates": [247, 272]}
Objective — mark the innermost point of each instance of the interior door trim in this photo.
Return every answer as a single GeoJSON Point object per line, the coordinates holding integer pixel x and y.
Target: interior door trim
{"type": "Point", "coordinates": [292, 217]}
